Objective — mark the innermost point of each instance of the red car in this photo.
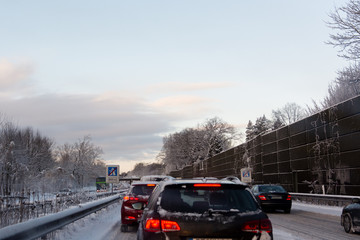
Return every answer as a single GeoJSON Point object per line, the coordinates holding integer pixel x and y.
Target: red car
{"type": "Point", "coordinates": [134, 202]}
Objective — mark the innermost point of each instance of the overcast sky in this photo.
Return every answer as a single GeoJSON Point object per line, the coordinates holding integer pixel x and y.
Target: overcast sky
{"type": "Point", "coordinates": [127, 73]}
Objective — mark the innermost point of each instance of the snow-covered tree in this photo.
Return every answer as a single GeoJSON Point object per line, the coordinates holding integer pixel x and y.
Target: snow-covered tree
{"type": "Point", "coordinates": [288, 114]}
{"type": "Point", "coordinates": [183, 148]}
{"type": "Point", "coordinates": [219, 136]}
{"type": "Point", "coordinates": [86, 154]}
{"type": "Point", "coordinates": [345, 86]}
{"type": "Point", "coordinates": [262, 125]}
{"type": "Point", "coordinates": [78, 164]}
{"type": "Point", "coordinates": [345, 21]}
{"type": "Point", "coordinates": [277, 123]}
{"type": "Point", "coordinates": [196, 144]}
{"type": "Point", "coordinates": [142, 169]}
{"type": "Point", "coordinates": [25, 156]}
{"type": "Point", "coordinates": [249, 131]}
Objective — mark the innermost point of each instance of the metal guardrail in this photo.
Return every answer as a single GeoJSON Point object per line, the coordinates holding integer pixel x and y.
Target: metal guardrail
{"type": "Point", "coordinates": [324, 199]}
{"type": "Point", "coordinates": [39, 227]}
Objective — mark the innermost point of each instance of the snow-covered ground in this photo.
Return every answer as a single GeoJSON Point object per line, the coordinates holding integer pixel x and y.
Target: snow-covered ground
{"type": "Point", "coordinates": [103, 224]}
{"type": "Point", "coordinates": [328, 210]}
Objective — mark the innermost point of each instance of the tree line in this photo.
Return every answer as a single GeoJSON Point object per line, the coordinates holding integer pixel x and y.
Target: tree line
{"type": "Point", "coordinates": [30, 162]}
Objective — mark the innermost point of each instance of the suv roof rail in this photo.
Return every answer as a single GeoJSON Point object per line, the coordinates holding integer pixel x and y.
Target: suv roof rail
{"type": "Point", "coordinates": [204, 179]}
{"type": "Point", "coordinates": [234, 180]}
{"type": "Point", "coordinates": [157, 178]}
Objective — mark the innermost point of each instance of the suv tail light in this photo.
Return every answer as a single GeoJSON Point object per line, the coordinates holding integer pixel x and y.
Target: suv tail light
{"type": "Point", "coordinates": [127, 198]}
{"type": "Point", "coordinates": [153, 225]}
{"type": "Point", "coordinates": [257, 226]}
{"type": "Point", "coordinates": [288, 198]}
{"type": "Point", "coordinates": [262, 197]}
{"type": "Point", "coordinates": [169, 226]}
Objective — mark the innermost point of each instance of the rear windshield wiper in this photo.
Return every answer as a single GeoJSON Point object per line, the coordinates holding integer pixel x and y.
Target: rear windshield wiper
{"type": "Point", "coordinates": [210, 211]}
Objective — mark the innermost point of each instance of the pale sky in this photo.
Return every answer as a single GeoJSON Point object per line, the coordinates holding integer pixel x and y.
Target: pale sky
{"type": "Point", "coordinates": [127, 73]}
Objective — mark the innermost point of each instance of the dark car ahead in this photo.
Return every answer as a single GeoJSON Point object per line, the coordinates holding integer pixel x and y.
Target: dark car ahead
{"type": "Point", "coordinates": [272, 197]}
{"type": "Point", "coordinates": [350, 217]}
{"type": "Point", "coordinates": [203, 209]}
{"type": "Point", "coordinates": [134, 202]}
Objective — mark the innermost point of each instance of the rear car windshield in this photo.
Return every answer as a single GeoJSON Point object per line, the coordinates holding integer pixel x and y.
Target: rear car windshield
{"type": "Point", "coordinates": [271, 189]}
{"type": "Point", "coordinates": [144, 190]}
{"type": "Point", "coordinates": [188, 198]}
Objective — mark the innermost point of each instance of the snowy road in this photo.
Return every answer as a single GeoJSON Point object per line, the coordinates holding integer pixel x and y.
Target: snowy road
{"type": "Point", "coordinates": [309, 222]}
{"type": "Point", "coordinates": [305, 222]}
{"type": "Point", "coordinates": [104, 224]}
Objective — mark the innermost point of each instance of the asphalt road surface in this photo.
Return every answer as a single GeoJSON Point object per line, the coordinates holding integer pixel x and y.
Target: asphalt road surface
{"type": "Point", "coordinates": [298, 225]}
{"type": "Point", "coordinates": [302, 225]}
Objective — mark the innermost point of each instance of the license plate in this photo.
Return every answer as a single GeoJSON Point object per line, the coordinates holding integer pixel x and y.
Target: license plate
{"type": "Point", "coordinates": [276, 197]}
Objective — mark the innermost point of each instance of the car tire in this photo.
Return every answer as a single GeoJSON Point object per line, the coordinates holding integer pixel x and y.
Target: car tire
{"type": "Point", "coordinates": [124, 228]}
{"type": "Point", "coordinates": [347, 224]}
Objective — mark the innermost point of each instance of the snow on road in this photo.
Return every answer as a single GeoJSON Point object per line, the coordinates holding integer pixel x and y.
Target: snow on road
{"type": "Point", "coordinates": [104, 224]}
{"type": "Point", "coordinates": [328, 210]}
{"type": "Point", "coordinates": [282, 234]}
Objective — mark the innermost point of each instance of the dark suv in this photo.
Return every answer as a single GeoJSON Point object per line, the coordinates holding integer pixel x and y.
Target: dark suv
{"type": "Point", "coordinates": [203, 209]}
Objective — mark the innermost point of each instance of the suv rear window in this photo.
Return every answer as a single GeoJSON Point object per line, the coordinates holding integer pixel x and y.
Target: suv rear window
{"type": "Point", "coordinates": [188, 198]}
{"type": "Point", "coordinates": [142, 189]}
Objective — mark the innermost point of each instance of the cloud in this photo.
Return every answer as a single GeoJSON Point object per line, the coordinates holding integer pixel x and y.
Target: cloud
{"type": "Point", "coordinates": [185, 105]}
{"type": "Point", "coordinates": [11, 74]}
{"type": "Point", "coordinates": [15, 79]}
{"type": "Point", "coordinates": [187, 87]}
{"type": "Point", "coordinates": [126, 128]}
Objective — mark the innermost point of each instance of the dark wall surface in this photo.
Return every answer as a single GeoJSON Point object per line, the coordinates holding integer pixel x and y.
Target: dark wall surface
{"type": "Point", "coordinates": [316, 154]}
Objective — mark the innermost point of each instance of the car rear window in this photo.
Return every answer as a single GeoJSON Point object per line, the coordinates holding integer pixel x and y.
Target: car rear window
{"type": "Point", "coordinates": [144, 190]}
{"type": "Point", "coordinates": [188, 198]}
{"type": "Point", "coordinates": [271, 189]}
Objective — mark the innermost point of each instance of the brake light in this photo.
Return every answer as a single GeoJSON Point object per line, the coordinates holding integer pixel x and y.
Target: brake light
{"type": "Point", "coordinates": [265, 224]}
{"type": "Point", "coordinates": [150, 185]}
{"type": "Point", "coordinates": [169, 226]}
{"type": "Point", "coordinates": [153, 225]}
{"type": "Point", "coordinates": [207, 185]}
{"type": "Point", "coordinates": [288, 198]}
{"type": "Point", "coordinates": [127, 198]}
{"type": "Point", "coordinates": [258, 226]}
{"type": "Point", "coordinates": [262, 197]}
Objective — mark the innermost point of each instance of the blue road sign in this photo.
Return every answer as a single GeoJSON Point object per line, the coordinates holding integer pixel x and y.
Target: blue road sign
{"type": "Point", "coordinates": [112, 171]}
{"type": "Point", "coordinates": [246, 173]}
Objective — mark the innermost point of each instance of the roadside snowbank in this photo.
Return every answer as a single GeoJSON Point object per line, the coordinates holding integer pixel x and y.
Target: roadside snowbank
{"type": "Point", "coordinates": [328, 210]}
